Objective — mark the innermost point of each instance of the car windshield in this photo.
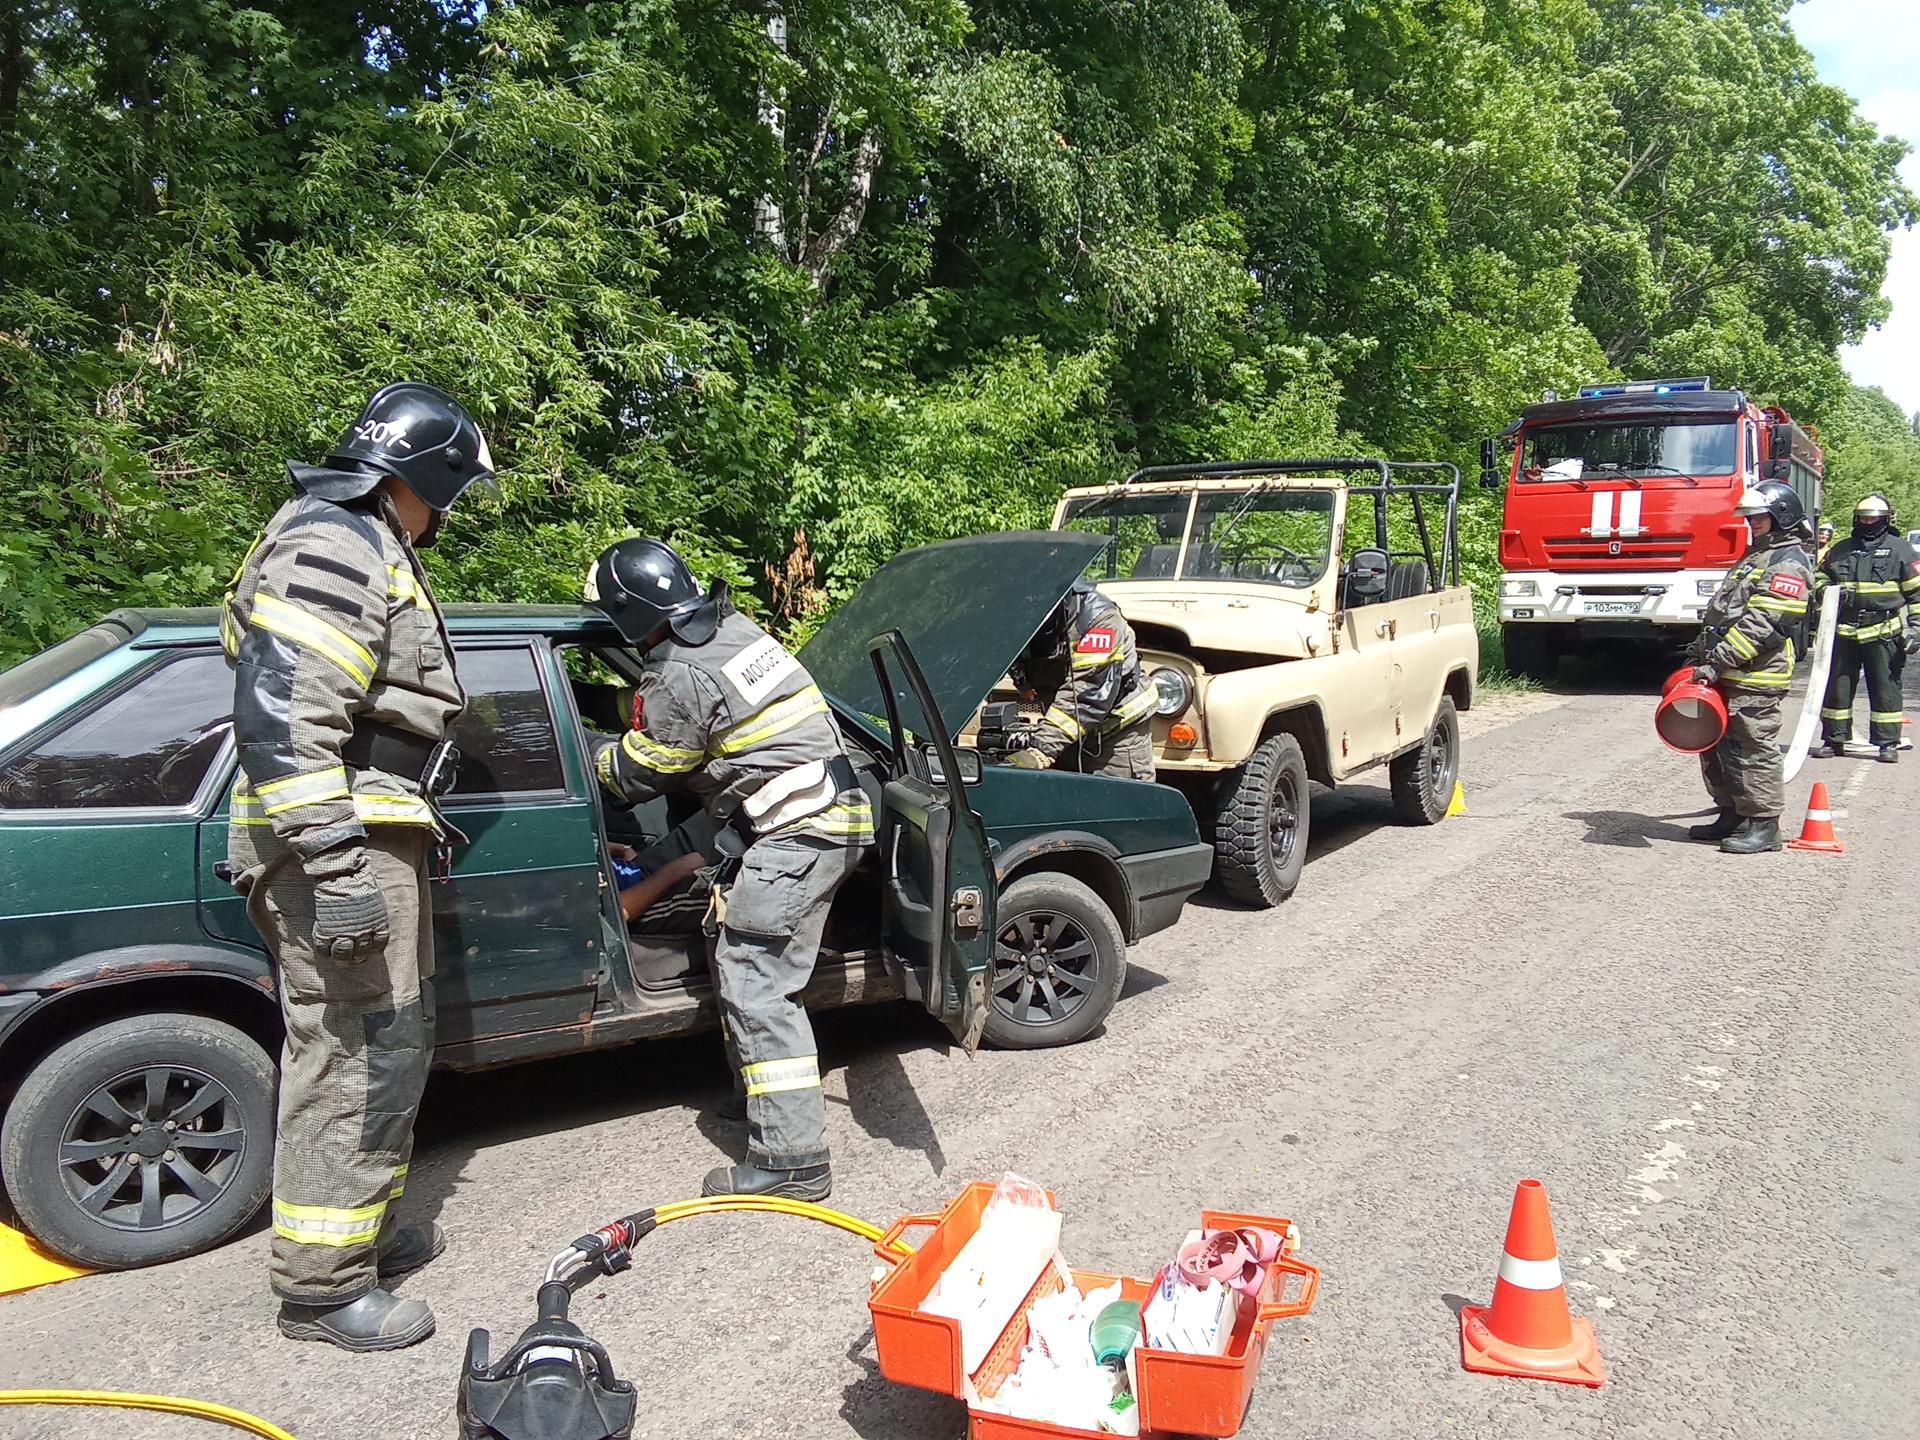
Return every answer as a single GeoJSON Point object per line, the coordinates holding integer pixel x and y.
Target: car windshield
{"type": "Point", "coordinates": [1680, 447]}
{"type": "Point", "coordinates": [1269, 533]}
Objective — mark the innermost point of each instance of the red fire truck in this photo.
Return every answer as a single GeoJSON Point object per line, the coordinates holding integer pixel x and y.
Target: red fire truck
{"type": "Point", "coordinates": [1619, 518]}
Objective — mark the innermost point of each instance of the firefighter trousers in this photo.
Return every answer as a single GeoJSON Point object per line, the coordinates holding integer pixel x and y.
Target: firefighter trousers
{"type": "Point", "coordinates": [1745, 771]}
{"type": "Point", "coordinates": [769, 941]}
{"type": "Point", "coordinates": [352, 1070]}
{"type": "Point", "coordinates": [1124, 755]}
{"type": "Point", "coordinates": [1880, 660]}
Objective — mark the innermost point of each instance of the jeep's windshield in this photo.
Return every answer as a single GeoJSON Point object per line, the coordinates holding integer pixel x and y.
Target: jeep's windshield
{"type": "Point", "coordinates": [1267, 533]}
{"type": "Point", "coordinates": [1680, 447]}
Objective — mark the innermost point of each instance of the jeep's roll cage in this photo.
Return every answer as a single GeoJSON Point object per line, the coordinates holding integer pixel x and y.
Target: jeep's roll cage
{"type": "Point", "coordinates": [1446, 571]}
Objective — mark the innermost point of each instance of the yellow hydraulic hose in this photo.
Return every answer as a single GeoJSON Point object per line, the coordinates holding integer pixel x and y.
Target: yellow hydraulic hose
{"type": "Point", "coordinates": [240, 1420]}
{"type": "Point", "coordinates": [171, 1404]}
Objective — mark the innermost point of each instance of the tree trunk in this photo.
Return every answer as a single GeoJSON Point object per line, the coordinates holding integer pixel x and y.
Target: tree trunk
{"type": "Point", "coordinates": [845, 225]}
{"type": "Point", "coordinates": [769, 223]}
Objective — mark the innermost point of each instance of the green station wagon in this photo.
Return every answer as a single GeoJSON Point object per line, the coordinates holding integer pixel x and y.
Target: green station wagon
{"type": "Point", "coordinates": [137, 1013]}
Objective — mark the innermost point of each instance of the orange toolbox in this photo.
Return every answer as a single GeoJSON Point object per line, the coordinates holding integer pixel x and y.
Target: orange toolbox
{"type": "Point", "coordinates": [1177, 1393]}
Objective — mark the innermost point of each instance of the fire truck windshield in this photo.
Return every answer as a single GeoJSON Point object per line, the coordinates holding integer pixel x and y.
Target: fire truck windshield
{"type": "Point", "coordinates": [1632, 448]}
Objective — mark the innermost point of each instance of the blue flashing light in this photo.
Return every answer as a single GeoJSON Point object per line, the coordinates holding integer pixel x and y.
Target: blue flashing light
{"type": "Point", "coordinates": [1646, 387]}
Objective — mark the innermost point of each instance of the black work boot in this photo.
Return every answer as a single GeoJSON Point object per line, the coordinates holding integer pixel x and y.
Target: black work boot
{"type": "Point", "coordinates": [376, 1321]}
{"type": "Point", "coordinates": [1718, 828]}
{"type": "Point", "coordinates": [1826, 750]}
{"type": "Point", "coordinates": [1754, 837]}
{"type": "Point", "coordinates": [1889, 754]}
{"type": "Point", "coordinates": [411, 1247]}
{"type": "Point", "coordinates": [815, 1182]}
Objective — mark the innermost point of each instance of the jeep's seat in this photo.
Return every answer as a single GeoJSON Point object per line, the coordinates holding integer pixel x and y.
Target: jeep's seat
{"type": "Point", "coordinates": [1407, 578]}
{"type": "Point", "coordinates": [1365, 581]}
{"type": "Point", "coordinates": [1155, 562]}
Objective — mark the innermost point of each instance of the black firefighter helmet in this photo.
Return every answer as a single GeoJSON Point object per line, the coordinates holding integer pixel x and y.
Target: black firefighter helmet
{"type": "Point", "coordinates": [421, 436]}
{"type": "Point", "coordinates": [643, 584]}
{"type": "Point", "coordinates": [1775, 498]}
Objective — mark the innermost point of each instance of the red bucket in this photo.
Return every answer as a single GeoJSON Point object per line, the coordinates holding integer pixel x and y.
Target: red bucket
{"type": "Point", "coordinates": [1691, 717]}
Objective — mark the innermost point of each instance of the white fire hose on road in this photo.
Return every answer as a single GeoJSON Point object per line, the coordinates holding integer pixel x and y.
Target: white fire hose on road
{"type": "Point", "coordinates": [1796, 747]}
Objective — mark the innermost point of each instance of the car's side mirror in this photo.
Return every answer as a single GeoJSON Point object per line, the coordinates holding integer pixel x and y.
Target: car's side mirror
{"type": "Point", "coordinates": [1489, 464]}
{"type": "Point", "coordinates": [1780, 443]}
{"type": "Point", "coordinates": [967, 760]}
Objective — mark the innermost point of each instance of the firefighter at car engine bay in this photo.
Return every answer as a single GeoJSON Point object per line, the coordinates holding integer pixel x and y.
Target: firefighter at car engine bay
{"type": "Point", "coordinates": [1878, 574]}
{"type": "Point", "coordinates": [1746, 648]}
{"type": "Point", "coordinates": [344, 696]}
{"type": "Point", "coordinates": [724, 712]}
{"type": "Point", "coordinates": [1099, 717]}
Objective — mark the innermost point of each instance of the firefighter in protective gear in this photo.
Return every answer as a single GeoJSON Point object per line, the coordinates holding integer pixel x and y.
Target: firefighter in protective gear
{"type": "Point", "coordinates": [1746, 648]}
{"type": "Point", "coordinates": [1826, 542]}
{"type": "Point", "coordinates": [723, 712]}
{"type": "Point", "coordinates": [344, 694]}
{"type": "Point", "coordinates": [1099, 715]}
{"type": "Point", "coordinates": [1878, 575]}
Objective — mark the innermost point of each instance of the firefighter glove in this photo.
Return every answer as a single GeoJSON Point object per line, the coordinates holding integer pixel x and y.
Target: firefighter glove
{"type": "Point", "coordinates": [1027, 758]}
{"type": "Point", "coordinates": [349, 916]}
{"type": "Point", "coordinates": [1705, 674]}
{"type": "Point", "coordinates": [1913, 640]}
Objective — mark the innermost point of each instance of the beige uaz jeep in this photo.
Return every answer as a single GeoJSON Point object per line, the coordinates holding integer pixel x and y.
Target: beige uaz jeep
{"type": "Point", "coordinates": [1295, 632]}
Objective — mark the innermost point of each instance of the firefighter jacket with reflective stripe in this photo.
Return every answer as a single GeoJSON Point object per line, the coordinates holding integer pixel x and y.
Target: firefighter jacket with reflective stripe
{"type": "Point", "coordinates": [1095, 682]}
{"type": "Point", "coordinates": [1748, 625]}
{"type": "Point", "coordinates": [1876, 577]}
{"type": "Point", "coordinates": [723, 719]}
{"type": "Point", "coordinates": [329, 624]}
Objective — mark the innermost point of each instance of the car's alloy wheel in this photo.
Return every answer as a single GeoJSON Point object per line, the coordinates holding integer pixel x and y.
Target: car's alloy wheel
{"type": "Point", "coordinates": [1059, 959]}
{"type": "Point", "coordinates": [152, 1147]}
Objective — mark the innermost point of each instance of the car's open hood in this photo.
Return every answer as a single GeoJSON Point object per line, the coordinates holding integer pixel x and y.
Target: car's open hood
{"type": "Point", "coordinates": [967, 608]}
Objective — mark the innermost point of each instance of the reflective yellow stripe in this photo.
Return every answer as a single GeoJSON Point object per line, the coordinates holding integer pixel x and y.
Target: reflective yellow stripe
{"type": "Point", "coordinates": [1845, 713]}
{"type": "Point", "coordinates": [399, 1186]}
{"type": "Point", "coordinates": [1886, 717]}
{"type": "Point", "coordinates": [771, 720]}
{"type": "Point", "coordinates": [1873, 630]}
{"type": "Point", "coordinates": [311, 788]}
{"type": "Point", "coordinates": [643, 749]}
{"type": "Point", "coordinates": [1738, 642]}
{"type": "Point", "coordinates": [1094, 662]}
{"type": "Point", "coordinates": [1131, 708]}
{"type": "Point", "coordinates": [1779, 605]}
{"type": "Point", "coordinates": [1871, 587]}
{"type": "Point", "coordinates": [851, 819]}
{"type": "Point", "coordinates": [320, 636]}
{"type": "Point", "coordinates": [403, 587]}
{"type": "Point", "coordinates": [1064, 723]}
{"type": "Point", "coordinates": [392, 810]}
{"type": "Point", "coordinates": [772, 1077]}
{"type": "Point", "coordinates": [327, 1224]}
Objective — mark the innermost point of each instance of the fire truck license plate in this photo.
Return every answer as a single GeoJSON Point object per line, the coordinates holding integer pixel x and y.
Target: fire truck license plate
{"type": "Point", "coordinates": [1612, 607]}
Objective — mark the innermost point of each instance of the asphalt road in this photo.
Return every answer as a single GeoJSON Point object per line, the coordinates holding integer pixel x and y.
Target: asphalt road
{"type": "Point", "coordinates": [1711, 1062]}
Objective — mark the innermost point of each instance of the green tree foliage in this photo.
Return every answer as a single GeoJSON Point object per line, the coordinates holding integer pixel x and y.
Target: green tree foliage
{"type": "Point", "coordinates": [797, 283]}
{"type": "Point", "coordinates": [1871, 448]}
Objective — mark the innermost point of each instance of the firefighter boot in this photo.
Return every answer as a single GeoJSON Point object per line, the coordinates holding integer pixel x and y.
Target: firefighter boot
{"type": "Point", "coordinates": [1754, 837]}
{"type": "Point", "coordinates": [1889, 754]}
{"type": "Point", "coordinates": [815, 1182]}
{"type": "Point", "coordinates": [1718, 828]}
{"type": "Point", "coordinates": [376, 1321]}
{"type": "Point", "coordinates": [1826, 750]}
{"type": "Point", "coordinates": [412, 1246]}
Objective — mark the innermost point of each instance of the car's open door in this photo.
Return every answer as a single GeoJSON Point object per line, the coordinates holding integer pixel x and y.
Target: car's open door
{"type": "Point", "coordinates": [937, 905]}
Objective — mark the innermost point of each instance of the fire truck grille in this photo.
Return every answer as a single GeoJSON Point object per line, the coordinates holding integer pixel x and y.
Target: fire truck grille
{"type": "Point", "coordinates": [1639, 549]}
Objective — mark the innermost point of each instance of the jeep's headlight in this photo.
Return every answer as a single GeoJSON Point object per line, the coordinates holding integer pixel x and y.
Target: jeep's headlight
{"type": "Point", "coordinates": [1519, 589]}
{"type": "Point", "coordinates": [1175, 691]}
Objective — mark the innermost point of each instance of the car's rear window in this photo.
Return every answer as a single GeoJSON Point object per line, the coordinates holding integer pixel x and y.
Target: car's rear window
{"type": "Point", "coordinates": [147, 746]}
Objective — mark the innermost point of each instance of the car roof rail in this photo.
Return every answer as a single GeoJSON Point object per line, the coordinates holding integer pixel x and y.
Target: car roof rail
{"type": "Point", "coordinates": [1204, 469]}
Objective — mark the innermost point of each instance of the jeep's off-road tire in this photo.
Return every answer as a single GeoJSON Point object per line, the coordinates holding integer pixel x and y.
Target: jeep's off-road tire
{"type": "Point", "coordinates": [1260, 824]}
{"type": "Point", "coordinates": [144, 1140]}
{"type": "Point", "coordinates": [1530, 652]}
{"type": "Point", "coordinates": [1423, 778]}
{"type": "Point", "coordinates": [1059, 960]}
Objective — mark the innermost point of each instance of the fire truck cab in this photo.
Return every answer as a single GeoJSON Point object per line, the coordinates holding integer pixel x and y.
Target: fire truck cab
{"type": "Point", "coordinates": [1619, 522]}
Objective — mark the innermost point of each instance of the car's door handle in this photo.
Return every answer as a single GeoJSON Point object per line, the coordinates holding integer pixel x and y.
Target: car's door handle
{"type": "Point", "coordinates": [1384, 628]}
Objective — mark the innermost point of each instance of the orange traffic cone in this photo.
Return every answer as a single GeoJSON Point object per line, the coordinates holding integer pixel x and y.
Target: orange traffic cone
{"type": "Point", "coordinates": [1528, 1331]}
{"type": "Point", "coordinates": [1817, 832]}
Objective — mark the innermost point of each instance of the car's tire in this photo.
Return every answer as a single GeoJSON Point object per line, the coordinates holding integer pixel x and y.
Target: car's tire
{"type": "Point", "coordinates": [1423, 778]}
{"type": "Point", "coordinates": [1058, 923]}
{"type": "Point", "coordinates": [70, 1129]}
{"type": "Point", "coordinates": [1530, 652]}
{"type": "Point", "coordinates": [1260, 824]}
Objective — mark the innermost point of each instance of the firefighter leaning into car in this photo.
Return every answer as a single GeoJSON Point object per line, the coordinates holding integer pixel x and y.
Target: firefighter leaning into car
{"type": "Point", "coordinates": [724, 712]}
{"type": "Point", "coordinates": [1099, 714]}
{"type": "Point", "coordinates": [1746, 648]}
{"type": "Point", "coordinates": [344, 693]}
{"type": "Point", "coordinates": [1877, 573]}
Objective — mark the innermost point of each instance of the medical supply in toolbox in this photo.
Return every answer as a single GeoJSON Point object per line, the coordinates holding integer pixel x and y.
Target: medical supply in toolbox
{"type": "Point", "coordinates": [1189, 1370]}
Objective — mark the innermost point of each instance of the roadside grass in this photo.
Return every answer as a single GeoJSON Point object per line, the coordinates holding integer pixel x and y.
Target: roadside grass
{"type": "Point", "coordinates": [1495, 678]}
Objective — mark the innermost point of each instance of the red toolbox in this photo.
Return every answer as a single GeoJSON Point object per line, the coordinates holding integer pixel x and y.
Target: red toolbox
{"type": "Point", "coordinates": [1177, 1393]}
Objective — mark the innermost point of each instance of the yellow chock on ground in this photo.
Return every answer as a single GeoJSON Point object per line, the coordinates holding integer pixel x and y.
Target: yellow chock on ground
{"type": "Point", "coordinates": [25, 1266]}
{"type": "Point", "coordinates": [1457, 805]}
